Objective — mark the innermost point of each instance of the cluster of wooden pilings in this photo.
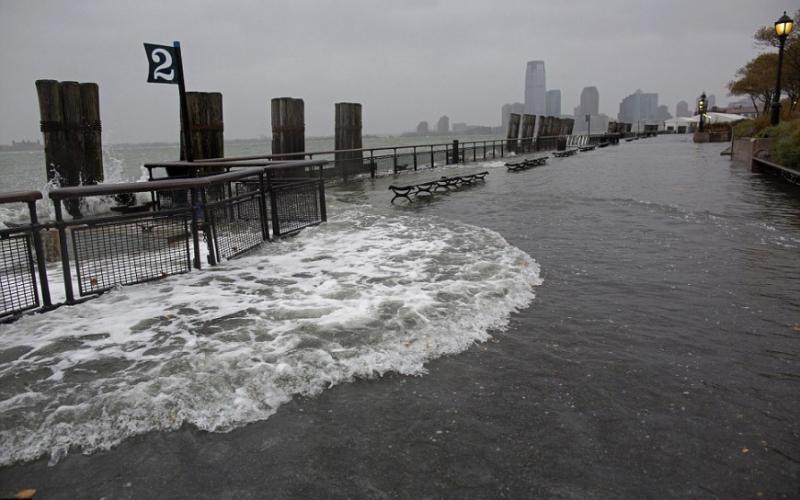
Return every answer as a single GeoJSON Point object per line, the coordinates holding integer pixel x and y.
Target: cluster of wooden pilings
{"type": "Point", "coordinates": [524, 135]}
{"type": "Point", "coordinates": [70, 122]}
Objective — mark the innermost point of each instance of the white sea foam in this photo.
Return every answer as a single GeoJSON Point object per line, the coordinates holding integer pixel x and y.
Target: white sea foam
{"type": "Point", "coordinates": [360, 296]}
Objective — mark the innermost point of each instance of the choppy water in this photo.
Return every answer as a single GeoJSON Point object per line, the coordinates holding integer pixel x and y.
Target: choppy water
{"type": "Point", "coordinates": [659, 358]}
{"type": "Point", "coordinates": [366, 293]}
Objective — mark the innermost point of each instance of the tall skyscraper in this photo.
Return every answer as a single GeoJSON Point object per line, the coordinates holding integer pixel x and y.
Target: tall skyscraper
{"type": "Point", "coordinates": [590, 101]}
{"type": "Point", "coordinates": [553, 104]}
{"type": "Point", "coordinates": [535, 89]}
{"type": "Point", "coordinates": [507, 109]}
{"type": "Point", "coordinates": [682, 109]}
{"type": "Point", "coordinates": [443, 125]}
{"type": "Point", "coordinates": [712, 101]}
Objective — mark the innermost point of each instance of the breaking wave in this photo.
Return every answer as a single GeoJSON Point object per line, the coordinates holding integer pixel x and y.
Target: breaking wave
{"type": "Point", "coordinates": [360, 296]}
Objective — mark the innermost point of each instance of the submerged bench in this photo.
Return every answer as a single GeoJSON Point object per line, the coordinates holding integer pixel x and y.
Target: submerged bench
{"type": "Point", "coordinates": [516, 166]}
{"type": "Point", "coordinates": [435, 186]}
{"type": "Point", "coordinates": [566, 152]}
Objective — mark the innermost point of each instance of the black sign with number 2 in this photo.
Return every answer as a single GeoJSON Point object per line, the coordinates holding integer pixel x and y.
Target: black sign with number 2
{"type": "Point", "coordinates": [163, 64]}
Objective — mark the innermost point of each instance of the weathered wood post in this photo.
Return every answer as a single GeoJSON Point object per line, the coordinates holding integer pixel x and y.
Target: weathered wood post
{"type": "Point", "coordinates": [347, 135]}
{"type": "Point", "coordinates": [92, 171]}
{"type": "Point", "coordinates": [456, 151]}
{"type": "Point", "coordinates": [207, 126]}
{"type": "Point", "coordinates": [70, 123]}
{"type": "Point", "coordinates": [513, 132]}
{"type": "Point", "coordinates": [51, 115]}
{"type": "Point", "coordinates": [528, 126]}
{"type": "Point", "coordinates": [288, 128]}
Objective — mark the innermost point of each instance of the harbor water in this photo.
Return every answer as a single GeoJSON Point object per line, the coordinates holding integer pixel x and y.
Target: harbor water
{"type": "Point", "coordinates": [620, 323]}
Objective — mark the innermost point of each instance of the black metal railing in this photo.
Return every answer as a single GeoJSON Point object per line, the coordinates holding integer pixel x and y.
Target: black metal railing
{"type": "Point", "coordinates": [222, 216]}
{"type": "Point", "coordinates": [22, 260]}
{"type": "Point", "coordinates": [375, 161]}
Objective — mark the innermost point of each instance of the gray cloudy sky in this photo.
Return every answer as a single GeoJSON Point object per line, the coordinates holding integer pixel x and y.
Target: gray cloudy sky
{"type": "Point", "coordinates": [405, 61]}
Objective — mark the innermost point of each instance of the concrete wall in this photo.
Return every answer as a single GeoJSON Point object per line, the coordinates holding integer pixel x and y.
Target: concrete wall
{"type": "Point", "coordinates": [746, 148]}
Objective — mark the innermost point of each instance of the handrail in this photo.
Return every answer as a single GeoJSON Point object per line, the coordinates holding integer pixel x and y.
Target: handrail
{"type": "Point", "coordinates": [263, 162]}
{"type": "Point", "coordinates": [156, 185]}
{"type": "Point", "coordinates": [20, 196]}
{"type": "Point", "coordinates": [208, 162]}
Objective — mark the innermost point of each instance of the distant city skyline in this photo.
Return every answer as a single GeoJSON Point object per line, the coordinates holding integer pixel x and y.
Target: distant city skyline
{"type": "Point", "coordinates": [250, 65]}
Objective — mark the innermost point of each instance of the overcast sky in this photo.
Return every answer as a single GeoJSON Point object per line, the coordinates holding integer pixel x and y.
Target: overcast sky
{"type": "Point", "coordinates": [405, 61]}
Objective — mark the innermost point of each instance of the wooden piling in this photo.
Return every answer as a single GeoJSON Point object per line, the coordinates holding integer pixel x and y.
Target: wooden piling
{"type": "Point", "coordinates": [513, 131]}
{"type": "Point", "coordinates": [70, 123]}
{"type": "Point", "coordinates": [347, 135]}
{"type": "Point", "coordinates": [570, 125]}
{"type": "Point", "coordinates": [528, 127]}
{"type": "Point", "coordinates": [92, 168]}
{"type": "Point", "coordinates": [52, 124]}
{"type": "Point", "coordinates": [208, 129]}
{"type": "Point", "coordinates": [73, 134]}
{"type": "Point", "coordinates": [288, 128]}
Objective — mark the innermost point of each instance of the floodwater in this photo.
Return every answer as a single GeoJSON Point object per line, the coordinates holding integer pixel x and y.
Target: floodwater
{"type": "Point", "coordinates": [621, 323]}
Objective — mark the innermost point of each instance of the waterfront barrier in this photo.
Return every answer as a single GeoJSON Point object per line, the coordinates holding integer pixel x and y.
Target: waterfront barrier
{"type": "Point", "coordinates": [790, 174]}
{"type": "Point", "coordinates": [220, 216]}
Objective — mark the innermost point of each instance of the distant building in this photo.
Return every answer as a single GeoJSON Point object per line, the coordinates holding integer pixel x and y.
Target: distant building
{"type": "Point", "coordinates": [742, 107]}
{"type": "Point", "coordinates": [590, 101]}
{"type": "Point", "coordinates": [599, 123]}
{"type": "Point", "coordinates": [682, 109]}
{"type": "Point", "coordinates": [459, 127]}
{"type": "Point", "coordinates": [507, 109]}
{"type": "Point", "coordinates": [422, 128]}
{"type": "Point", "coordinates": [711, 100]}
{"type": "Point", "coordinates": [535, 88]}
{"type": "Point", "coordinates": [553, 104]}
{"type": "Point", "coordinates": [443, 125]}
{"type": "Point", "coordinates": [641, 106]}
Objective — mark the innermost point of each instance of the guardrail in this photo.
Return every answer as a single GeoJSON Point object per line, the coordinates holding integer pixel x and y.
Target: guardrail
{"type": "Point", "coordinates": [218, 216]}
{"type": "Point", "coordinates": [790, 174]}
{"type": "Point", "coordinates": [384, 160]}
{"type": "Point", "coordinates": [18, 268]}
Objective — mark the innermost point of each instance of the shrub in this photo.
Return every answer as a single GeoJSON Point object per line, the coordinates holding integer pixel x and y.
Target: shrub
{"type": "Point", "coordinates": [785, 148]}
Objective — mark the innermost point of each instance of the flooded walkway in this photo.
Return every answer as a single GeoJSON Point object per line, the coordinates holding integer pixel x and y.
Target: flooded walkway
{"type": "Point", "coordinates": [655, 351]}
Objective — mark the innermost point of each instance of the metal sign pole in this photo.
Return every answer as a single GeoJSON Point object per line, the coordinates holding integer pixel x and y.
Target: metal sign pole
{"type": "Point", "coordinates": [187, 130]}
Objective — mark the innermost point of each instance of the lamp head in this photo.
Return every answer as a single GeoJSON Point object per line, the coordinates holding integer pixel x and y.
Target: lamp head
{"type": "Point", "coordinates": [784, 26]}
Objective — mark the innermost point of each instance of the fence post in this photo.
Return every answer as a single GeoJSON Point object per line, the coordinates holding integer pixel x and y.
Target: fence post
{"type": "Point", "coordinates": [323, 209]}
{"type": "Point", "coordinates": [62, 243]}
{"type": "Point", "coordinates": [456, 159]}
{"type": "Point", "coordinates": [262, 206]}
{"type": "Point", "coordinates": [273, 205]}
{"type": "Point", "coordinates": [433, 161]}
{"type": "Point", "coordinates": [39, 249]}
{"type": "Point", "coordinates": [415, 158]}
{"type": "Point", "coordinates": [195, 227]}
{"type": "Point", "coordinates": [347, 135]}
{"type": "Point", "coordinates": [288, 128]}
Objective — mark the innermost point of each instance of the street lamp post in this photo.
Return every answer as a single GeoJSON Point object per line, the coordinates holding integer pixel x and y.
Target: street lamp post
{"type": "Point", "coordinates": [783, 27]}
{"type": "Point", "coordinates": [701, 110]}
